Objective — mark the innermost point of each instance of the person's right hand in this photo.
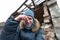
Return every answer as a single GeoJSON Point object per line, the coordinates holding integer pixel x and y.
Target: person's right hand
{"type": "Point", "coordinates": [21, 17]}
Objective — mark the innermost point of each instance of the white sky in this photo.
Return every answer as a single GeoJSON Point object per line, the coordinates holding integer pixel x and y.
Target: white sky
{"type": "Point", "coordinates": [9, 6]}
{"type": "Point", "coordinates": [58, 2]}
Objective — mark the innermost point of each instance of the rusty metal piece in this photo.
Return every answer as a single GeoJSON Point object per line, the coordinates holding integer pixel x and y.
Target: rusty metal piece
{"type": "Point", "coordinates": [33, 3]}
{"type": "Point", "coordinates": [20, 6]}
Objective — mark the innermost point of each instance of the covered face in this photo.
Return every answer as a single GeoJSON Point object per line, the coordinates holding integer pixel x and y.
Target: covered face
{"type": "Point", "coordinates": [30, 17]}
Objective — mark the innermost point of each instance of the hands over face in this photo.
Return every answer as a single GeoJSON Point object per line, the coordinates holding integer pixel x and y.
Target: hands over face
{"type": "Point", "coordinates": [21, 17]}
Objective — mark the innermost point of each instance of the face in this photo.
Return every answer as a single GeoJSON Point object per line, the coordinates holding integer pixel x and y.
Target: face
{"type": "Point", "coordinates": [29, 21]}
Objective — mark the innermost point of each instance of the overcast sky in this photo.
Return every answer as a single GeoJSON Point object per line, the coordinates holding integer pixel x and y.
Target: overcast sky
{"type": "Point", "coordinates": [9, 6]}
{"type": "Point", "coordinates": [58, 2]}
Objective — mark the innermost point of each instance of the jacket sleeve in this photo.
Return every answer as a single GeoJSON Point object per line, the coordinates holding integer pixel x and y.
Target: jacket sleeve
{"type": "Point", "coordinates": [39, 35]}
{"type": "Point", "coordinates": [9, 31]}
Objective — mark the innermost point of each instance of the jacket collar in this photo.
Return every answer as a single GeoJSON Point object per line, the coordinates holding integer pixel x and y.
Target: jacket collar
{"type": "Point", "coordinates": [35, 28]}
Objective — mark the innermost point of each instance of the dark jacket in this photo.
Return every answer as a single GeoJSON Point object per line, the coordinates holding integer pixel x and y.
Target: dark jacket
{"type": "Point", "coordinates": [11, 31]}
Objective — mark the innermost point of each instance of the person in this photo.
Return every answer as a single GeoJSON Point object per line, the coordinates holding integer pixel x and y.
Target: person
{"type": "Point", "coordinates": [22, 27]}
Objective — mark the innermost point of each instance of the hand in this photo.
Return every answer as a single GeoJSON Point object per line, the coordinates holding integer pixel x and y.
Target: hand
{"type": "Point", "coordinates": [21, 17]}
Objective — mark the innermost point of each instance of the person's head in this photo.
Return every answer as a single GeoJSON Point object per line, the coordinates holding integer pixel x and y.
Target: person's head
{"type": "Point", "coordinates": [30, 17]}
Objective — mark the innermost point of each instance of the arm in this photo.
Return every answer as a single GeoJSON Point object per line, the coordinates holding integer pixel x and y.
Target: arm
{"type": "Point", "coordinates": [39, 35]}
{"type": "Point", "coordinates": [9, 31]}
